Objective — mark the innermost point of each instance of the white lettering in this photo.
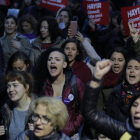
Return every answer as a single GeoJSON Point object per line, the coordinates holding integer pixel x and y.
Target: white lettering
{"type": "Point", "coordinates": [94, 6]}
{"type": "Point", "coordinates": [133, 12]}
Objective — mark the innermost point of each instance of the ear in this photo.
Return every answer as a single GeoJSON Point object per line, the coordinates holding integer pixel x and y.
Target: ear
{"type": "Point", "coordinates": [27, 87]}
{"type": "Point", "coordinates": [64, 64]}
{"type": "Point", "coordinates": [77, 52]}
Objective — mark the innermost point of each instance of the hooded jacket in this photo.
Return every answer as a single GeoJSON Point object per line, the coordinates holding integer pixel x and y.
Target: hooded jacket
{"type": "Point", "coordinates": [75, 120]}
{"type": "Point", "coordinates": [101, 122]}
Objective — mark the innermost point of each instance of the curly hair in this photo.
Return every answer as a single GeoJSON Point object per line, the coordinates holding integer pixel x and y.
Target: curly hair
{"type": "Point", "coordinates": [41, 72]}
{"type": "Point", "coordinates": [54, 30]}
{"type": "Point", "coordinates": [27, 18]}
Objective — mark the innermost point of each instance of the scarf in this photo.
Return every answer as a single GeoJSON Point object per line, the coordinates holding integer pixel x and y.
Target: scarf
{"type": "Point", "coordinates": [128, 91]}
{"type": "Point", "coordinates": [111, 79]}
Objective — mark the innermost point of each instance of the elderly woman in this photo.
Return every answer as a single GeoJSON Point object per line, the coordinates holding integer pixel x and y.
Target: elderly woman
{"type": "Point", "coordinates": [50, 117]}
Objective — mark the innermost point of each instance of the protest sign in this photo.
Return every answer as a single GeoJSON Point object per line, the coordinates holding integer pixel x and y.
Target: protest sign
{"type": "Point", "coordinates": [99, 11]}
{"type": "Point", "coordinates": [5, 2]}
{"type": "Point", "coordinates": [130, 14]}
{"type": "Point", "coordinates": [54, 5]}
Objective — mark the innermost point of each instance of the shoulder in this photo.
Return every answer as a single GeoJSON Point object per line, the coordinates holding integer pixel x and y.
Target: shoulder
{"type": "Point", "coordinates": [64, 137]}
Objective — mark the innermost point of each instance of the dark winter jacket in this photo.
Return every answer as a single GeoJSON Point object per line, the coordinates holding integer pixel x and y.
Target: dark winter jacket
{"type": "Point", "coordinates": [113, 107]}
{"type": "Point", "coordinates": [29, 135]}
{"type": "Point", "coordinates": [101, 122]}
{"type": "Point", "coordinates": [75, 119]}
{"type": "Point", "coordinates": [82, 71]}
{"type": "Point", "coordinates": [7, 111]}
{"type": "Point", "coordinates": [117, 41]}
{"type": "Point", "coordinates": [1, 60]}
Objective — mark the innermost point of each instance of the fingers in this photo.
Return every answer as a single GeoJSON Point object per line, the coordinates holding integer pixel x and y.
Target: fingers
{"type": "Point", "coordinates": [31, 126]}
{"type": "Point", "coordinates": [103, 64]}
{"type": "Point", "coordinates": [2, 130]}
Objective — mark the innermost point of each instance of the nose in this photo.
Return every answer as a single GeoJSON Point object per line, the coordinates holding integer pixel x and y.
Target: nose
{"type": "Point", "coordinates": [10, 88]}
{"type": "Point", "coordinates": [38, 121]}
{"type": "Point", "coordinates": [52, 61]}
{"type": "Point", "coordinates": [132, 70]}
{"type": "Point", "coordinates": [41, 29]}
{"type": "Point", "coordinates": [116, 62]}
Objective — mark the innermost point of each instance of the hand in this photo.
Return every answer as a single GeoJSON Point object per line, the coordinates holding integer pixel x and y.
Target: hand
{"type": "Point", "coordinates": [79, 37]}
{"type": "Point", "coordinates": [2, 130]}
{"type": "Point", "coordinates": [69, 33]}
{"type": "Point", "coordinates": [92, 24]}
{"type": "Point", "coordinates": [31, 126]}
{"type": "Point", "coordinates": [133, 32]}
{"type": "Point", "coordinates": [16, 44]}
{"type": "Point", "coordinates": [102, 67]}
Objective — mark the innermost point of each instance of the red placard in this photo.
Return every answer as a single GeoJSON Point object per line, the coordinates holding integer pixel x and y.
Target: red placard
{"type": "Point", "coordinates": [5, 2]}
{"type": "Point", "coordinates": [99, 11]}
{"type": "Point", "coordinates": [130, 14]}
{"type": "Point", "coordinates": [54, 5]}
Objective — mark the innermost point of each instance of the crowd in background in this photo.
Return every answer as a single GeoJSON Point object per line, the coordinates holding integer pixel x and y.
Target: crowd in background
{"type": "Point", "coordinates": [56, 85]}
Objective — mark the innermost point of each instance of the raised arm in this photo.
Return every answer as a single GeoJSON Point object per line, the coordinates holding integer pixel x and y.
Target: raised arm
{"type": "Point", "coordinates": [98, 120]}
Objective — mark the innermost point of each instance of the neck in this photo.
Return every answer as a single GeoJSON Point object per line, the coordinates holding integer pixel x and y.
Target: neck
{"type": "Point", "coordinates": [11, 35]}
{"type": "Point", "coordinates": [23, 104]}
{"type": "Point", "coordinates": [72, 63]}
{"type": "Point", "coordinates": [47, 40]}
{"type": "Point", "coordinates": [59, 80]}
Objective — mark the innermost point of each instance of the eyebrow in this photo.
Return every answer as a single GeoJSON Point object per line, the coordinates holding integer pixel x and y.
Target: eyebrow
{"type": "Point", "coordinates": [132, 66]}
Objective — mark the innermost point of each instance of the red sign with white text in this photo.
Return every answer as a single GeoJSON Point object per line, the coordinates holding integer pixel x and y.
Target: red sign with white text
{"type": "Point", "coordinates": [99, 11]}
{"type": "Point", "coordinates": [54, 5]}
{"type": "Point", "coordinates": [131, 14]}
{"type": "Point", "coordinates": [5, 2]}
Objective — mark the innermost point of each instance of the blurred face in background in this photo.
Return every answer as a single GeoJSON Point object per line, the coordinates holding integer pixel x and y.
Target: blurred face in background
{"type": "Point", "coordinates": [26, 27]}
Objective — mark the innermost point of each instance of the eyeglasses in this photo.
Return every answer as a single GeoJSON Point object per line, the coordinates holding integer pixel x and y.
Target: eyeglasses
{"type": "Point", "coordinates": [44, 120]}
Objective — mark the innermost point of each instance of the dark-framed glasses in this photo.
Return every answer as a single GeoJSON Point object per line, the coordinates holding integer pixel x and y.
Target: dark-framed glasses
{"type": "Point", "coordinates": [44, 119]}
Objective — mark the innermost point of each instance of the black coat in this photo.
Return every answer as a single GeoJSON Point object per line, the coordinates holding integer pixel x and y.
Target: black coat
{"type": "Point", "coordinates": [114, 107]}
{"type": "Point", "coordinates": [101, 122]}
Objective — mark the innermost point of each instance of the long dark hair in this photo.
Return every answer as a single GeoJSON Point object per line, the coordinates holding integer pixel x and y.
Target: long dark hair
{"type": "Point", "coordinates": [53, 28]}
{"type": "Point", "coordinates": [19, 56]}
{"type": "Point", "coordinates": [41, 72]}
{"type": "Point", "coordinates": [123, 75]}
{"type": "Point", "coordinates": [79, 57]}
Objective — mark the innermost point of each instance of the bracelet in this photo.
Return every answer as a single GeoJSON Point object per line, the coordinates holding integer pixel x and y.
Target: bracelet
{"type": "Point", "coordinates": [95, 79]}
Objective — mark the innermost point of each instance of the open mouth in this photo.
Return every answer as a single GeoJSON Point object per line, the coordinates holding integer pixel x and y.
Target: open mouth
{"type": "Point", "coordinates": [38, 129]}
{"type": "Point", "coordinates": [136, 119]}
{"type": "Point", "coordinates": [116, 69]}
{"type": "Point", "coordinates": [132, 77]}
{"type": "Point", "coordinates": [53, 69]}
{"type": "Point", "coordinates": [69, 56]}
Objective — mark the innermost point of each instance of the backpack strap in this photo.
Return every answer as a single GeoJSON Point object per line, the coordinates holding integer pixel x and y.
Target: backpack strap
{"type": "Point", "coordinates": [126, 136]}
{"type": "Point", "coordinates": [74, 90]}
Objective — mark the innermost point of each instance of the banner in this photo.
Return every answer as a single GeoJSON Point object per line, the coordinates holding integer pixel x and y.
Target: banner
{"type": "Point", "coordinates": [99, 11]}
{"type": "Point", "coordinates": [130, 14]}
{"type": "Point", "coordinates": [54, 5]}
{"type": "Point", "coordinates": [5, 2]}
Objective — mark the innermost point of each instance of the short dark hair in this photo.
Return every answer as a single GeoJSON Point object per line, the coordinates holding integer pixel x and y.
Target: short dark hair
{"type": "Point", "coordinates": [22, 77]}
{"type": "Point", "coordinates": [53, 28]}
{"type": "Point", "coordinates": [21, 56]}
{"type": "Point", "coordinates": [79, 57]}
{"type": "Point", "coordinates": [13, 17]}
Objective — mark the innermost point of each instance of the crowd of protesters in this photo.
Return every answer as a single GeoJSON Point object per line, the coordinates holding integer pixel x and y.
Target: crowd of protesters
{"type": "Point", "coordinates": [58, 86]}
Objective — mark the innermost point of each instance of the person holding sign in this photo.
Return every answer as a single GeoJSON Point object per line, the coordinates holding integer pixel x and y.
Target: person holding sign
{"type": "Point", "coordinates": [104, 124]}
